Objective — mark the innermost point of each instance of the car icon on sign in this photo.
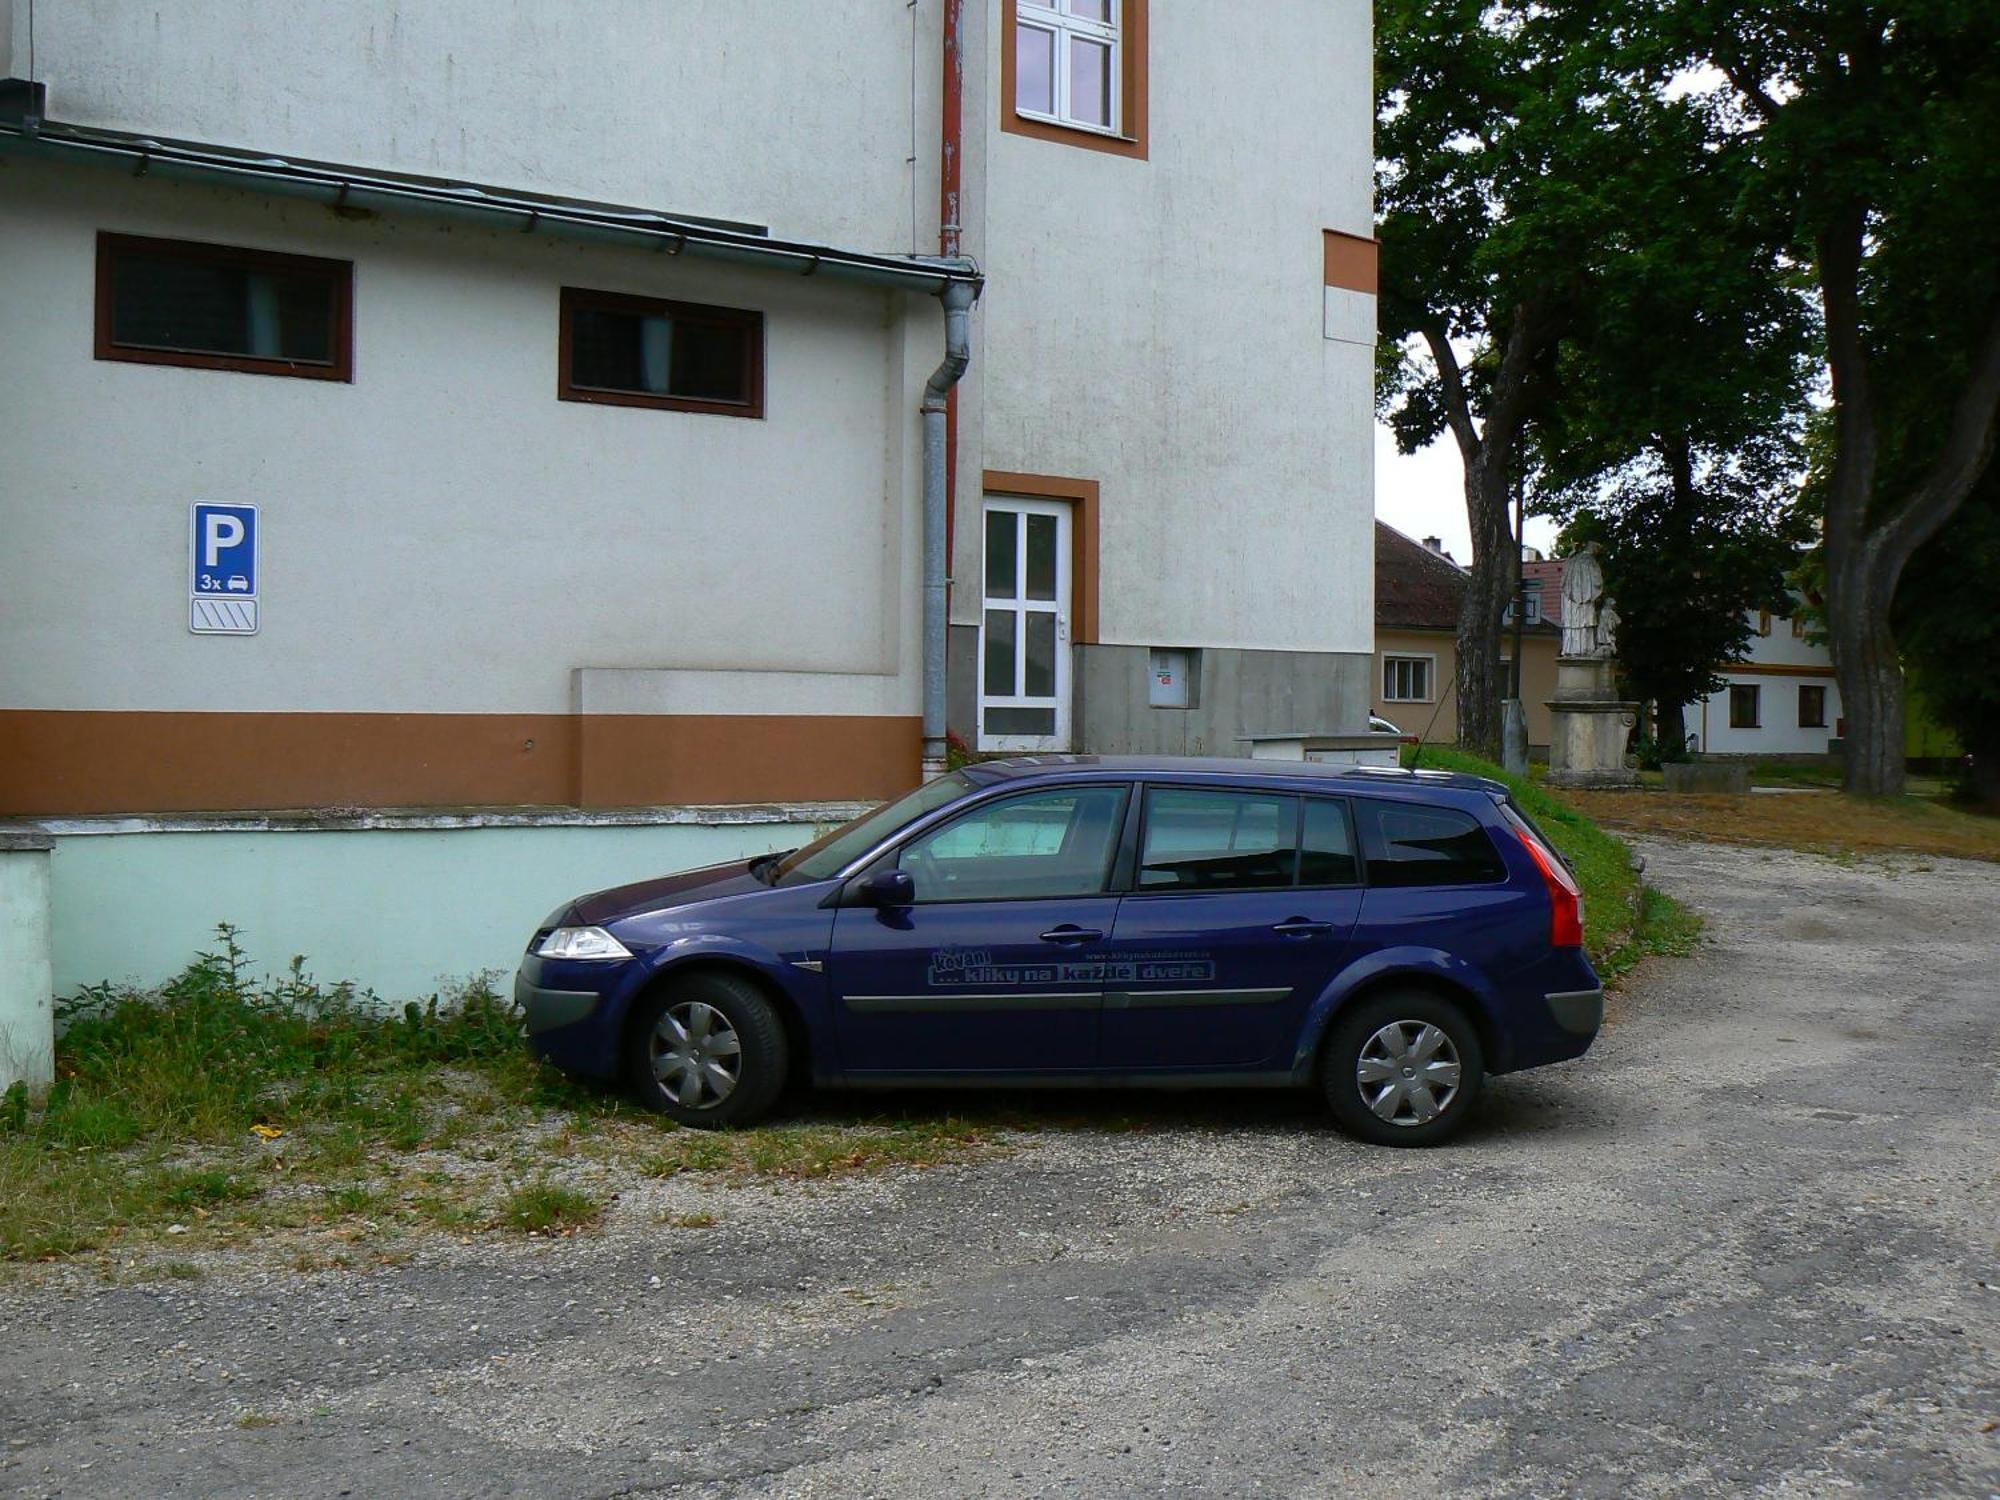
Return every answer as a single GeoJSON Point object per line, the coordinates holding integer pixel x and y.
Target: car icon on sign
{"type": "Point", "coordinates": [237, 584]}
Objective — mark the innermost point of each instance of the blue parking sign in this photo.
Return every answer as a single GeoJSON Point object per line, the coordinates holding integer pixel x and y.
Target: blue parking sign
{"type": "Point", "coordinates": [222, 569]}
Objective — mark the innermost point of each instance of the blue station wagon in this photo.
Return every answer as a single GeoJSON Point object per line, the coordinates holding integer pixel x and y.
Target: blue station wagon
{"type": "Point", "coordinates": [1390, 938]}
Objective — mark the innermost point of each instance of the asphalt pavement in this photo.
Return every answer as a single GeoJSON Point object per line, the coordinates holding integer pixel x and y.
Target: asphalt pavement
{"type": "Point", "coordinates": [1746, 1247]}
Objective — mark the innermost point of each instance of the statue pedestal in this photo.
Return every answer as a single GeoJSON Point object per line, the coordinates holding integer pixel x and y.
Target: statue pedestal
{"type": "Point", "coordinates": [1587, 741]}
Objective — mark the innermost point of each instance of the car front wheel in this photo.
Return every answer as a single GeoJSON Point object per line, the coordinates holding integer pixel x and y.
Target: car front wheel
{"type": "Point", "coordinates": [1403, 1069]}
{"type": "Point", "coordinates": [708, 1050]}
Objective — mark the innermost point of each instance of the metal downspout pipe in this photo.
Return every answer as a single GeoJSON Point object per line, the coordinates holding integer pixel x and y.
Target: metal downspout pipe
{"type": "Point", "coordinates": [958, 298]}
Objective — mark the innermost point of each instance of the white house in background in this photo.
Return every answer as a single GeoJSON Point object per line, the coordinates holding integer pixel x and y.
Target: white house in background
{"type": "Point", "coordinates": [1780, 700]}
{"type": "Point", "coordinates": [572, 359]}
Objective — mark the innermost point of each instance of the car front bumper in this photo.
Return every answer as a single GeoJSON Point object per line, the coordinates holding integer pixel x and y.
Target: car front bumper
{"type": "Point", "coordinates": [571, 1024]}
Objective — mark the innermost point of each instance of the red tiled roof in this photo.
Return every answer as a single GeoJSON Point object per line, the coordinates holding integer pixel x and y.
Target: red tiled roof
{"type": "Point", "coordinates": [1418, 589]}
{"type": "Point", "coordinates": [1415, 588]}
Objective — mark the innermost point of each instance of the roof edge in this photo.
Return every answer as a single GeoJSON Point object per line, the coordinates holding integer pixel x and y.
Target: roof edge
{"type": "Point", "coordinates": [340, 186]}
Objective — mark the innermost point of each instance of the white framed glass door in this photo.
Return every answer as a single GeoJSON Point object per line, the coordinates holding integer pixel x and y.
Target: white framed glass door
{"type": "Point", "coordinates": [1024, 655]}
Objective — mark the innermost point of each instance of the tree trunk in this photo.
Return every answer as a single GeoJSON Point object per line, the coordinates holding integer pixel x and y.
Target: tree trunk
{"type": "Point", "coordinates": [1487, 590]}
{"type": "Point", "coordinates": [1670, 729]}
{"type": "Point", "coordinates": [1985, 773]}
{"type": "Point", "coordinates": [1870, 671]}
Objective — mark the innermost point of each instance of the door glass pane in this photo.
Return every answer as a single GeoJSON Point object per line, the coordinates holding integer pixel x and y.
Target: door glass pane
{"type": "Point", "coordinates": [1001, 578]}
{"type": "Point", "coordinates": [1041, 557]}
{"type": "Point", "coordinates": [999, 653]}
{"type": "Point", "coordinates": [1218, 840]}
{"type": "Point", "coordinates": [1028, 722]}
{"type": "Point", "coordinates": [1035, 70]}
{"type": "Point", "coordinates": [1041, 662]}
{"type": "Point", "coordinates": [1326, 849]}
{"type": "Point", "coordinates": [1089, 82]}
{"type": "Point", "coordinates": [1056, 843]}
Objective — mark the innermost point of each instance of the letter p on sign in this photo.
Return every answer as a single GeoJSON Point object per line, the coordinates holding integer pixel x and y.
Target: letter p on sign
{"type": "Point", "coordinates": [220, 532]}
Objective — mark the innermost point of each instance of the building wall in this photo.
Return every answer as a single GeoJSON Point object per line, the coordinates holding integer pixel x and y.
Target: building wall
{"type": "Point", "coordinates": [1437, 719]}
{"type": "Point", "coordinates": [445, 545]}
{"type": "Point", "coordinates": [1779, 662]}
{"type": "Point", "coordinates": [1160, 326]}
{"type": "Point", "coordinates": [730, 109]}
{"type": "Point", "coordinates": [1778, 732]}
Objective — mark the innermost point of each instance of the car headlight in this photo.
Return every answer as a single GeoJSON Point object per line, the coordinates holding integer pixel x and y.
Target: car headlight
{"type": "Point", "coordinates": [582, 942]}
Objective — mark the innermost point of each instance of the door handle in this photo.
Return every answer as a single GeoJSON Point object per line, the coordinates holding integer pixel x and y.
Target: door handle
{"type": "Point", "coordinates": [1303, 927]}
{"type": "Point", "coordinates": [1072, 935]}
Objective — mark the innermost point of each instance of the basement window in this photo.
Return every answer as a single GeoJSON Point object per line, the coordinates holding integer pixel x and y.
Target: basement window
{"type": "Point", "coordinates": [677, 356]}
{"type": "Point", "coordinates": [221, 307]}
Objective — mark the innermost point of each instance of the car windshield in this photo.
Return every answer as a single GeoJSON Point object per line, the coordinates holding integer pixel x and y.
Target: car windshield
{"type": "Point", "coordinates": [827, 856]}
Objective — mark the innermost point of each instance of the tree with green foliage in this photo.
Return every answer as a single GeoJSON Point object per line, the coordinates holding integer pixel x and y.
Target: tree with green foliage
{"type": "Point", "coordinates": [1872, 128]}
{"type": "Point", "coordinates": [1686, 573]}
{"type": "Point", "coordinates": [1483, 198]}
{"type": "Point", "coordinates": [1676, 443]}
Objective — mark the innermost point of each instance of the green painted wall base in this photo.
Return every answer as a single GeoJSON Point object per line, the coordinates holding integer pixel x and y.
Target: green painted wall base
{"type": "Point", "coordinates": [402, 911]}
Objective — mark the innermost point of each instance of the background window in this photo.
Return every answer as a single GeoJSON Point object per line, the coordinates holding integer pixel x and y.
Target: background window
{"type": "Point", "coordinates": [1326, 845]}
{"type": "Point", "coordinates": [1431, 846]}
{"type": "Point", "coordinates": [634, 351]}
{"type": "Point", "coordinates": [1812, 708]}
{"type": "Point", "coordinates": [1218, 840]}
{"type": "Point", "coordinates": [1056, 843]}
{"type": "Point", "coordinates": [1406, 679]}
{"type": "Point", "coordinates": [1743, 705]}
{"type": "Point", "coordinates": [1067, 66]}
{"type": "Point", "coordinates": [217, 307]}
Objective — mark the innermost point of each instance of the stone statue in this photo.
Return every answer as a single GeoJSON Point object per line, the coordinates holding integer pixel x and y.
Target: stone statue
{"type": "Point", "coordinates": [1589, 621]}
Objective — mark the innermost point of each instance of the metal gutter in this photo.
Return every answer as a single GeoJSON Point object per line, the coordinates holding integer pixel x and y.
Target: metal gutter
{"type": "Point", "coordinates": [342, 187]}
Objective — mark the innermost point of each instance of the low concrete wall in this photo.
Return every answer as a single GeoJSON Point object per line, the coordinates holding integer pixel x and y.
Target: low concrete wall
{"type": "Point", "coordinates": [27, 1024]}
{"type": "Point", "coordinates": [1723, 776]}
{"type": "Point", "coordinates": [401, 906]}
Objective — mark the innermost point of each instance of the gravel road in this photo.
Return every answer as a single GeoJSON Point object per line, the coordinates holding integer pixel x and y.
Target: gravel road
{"type": "Point", "coordinates": [1747, 1246]}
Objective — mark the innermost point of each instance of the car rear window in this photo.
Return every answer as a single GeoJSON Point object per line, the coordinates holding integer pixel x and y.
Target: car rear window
{"type": "Point", "coordinates": [1417, 845]}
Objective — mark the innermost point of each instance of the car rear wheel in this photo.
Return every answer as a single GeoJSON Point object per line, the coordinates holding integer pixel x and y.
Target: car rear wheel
{"type": "Point", "coordinates": [707, 1049]}
{"type": "Point", "coordinates": [1403, 1069]}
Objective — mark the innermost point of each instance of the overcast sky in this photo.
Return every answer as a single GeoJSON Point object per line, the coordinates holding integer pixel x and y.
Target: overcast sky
{"type": "Point", "coordinates": [1424, 495]}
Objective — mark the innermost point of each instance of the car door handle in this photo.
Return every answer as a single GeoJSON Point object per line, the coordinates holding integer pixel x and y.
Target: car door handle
{"type": "Point", "coordinates": [1069, 934]}
{"type": "Point", "coordinates": [1303, 927]}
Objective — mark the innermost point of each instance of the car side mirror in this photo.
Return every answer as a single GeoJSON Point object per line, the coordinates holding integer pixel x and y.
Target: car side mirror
{"type": "Point", "coordinates": [887, 888]}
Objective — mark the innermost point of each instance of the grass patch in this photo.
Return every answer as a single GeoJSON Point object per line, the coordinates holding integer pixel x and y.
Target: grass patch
{"type": "Point", "coordinates": [1832, 824]}
{"type": "Point", "coordinates": [1624, 919]}
{"type": "Point", "coordinates": [1789, 773]}
{"type": "Point", "coordinates": [547, 1207]}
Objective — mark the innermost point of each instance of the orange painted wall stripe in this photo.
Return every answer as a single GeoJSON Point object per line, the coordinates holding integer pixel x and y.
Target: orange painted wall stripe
{"type": "Point", "coordinates": [58, 763]}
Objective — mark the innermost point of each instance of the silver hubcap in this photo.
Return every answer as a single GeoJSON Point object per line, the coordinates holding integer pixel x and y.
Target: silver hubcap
{"type": "Point", "coordinates": [1408, 1072]}
{"type": "Point", "coordinates": [697, 1055]}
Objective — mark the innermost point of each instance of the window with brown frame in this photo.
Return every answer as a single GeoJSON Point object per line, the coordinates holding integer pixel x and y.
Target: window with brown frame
{"type": "Point", "coordinates": [1744, 705]}
{"type": "Point", "coordinates": [1812, 707]}
{"type": "Point", "coordinates": [677, 356]}
{"type": "Point", "coordinates": [222, 307]}
{"type": "Point", "coordinates": [1075, 71]}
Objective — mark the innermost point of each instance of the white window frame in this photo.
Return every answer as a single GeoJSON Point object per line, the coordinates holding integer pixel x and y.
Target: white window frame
{"type": "Point", "coordinates": [1427, 661]}
{"type": "Point", "coordinates": [1055, 18]}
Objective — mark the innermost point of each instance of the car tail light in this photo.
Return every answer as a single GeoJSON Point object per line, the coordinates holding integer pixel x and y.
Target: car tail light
{"type": "Point", "coordinates": [1565, 897]}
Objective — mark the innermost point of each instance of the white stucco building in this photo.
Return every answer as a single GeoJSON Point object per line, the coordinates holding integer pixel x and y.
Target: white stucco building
{"type": "Point", "coordinates": [1781, 699]}
{"type": "Point", "coordinates": [573, 362]}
